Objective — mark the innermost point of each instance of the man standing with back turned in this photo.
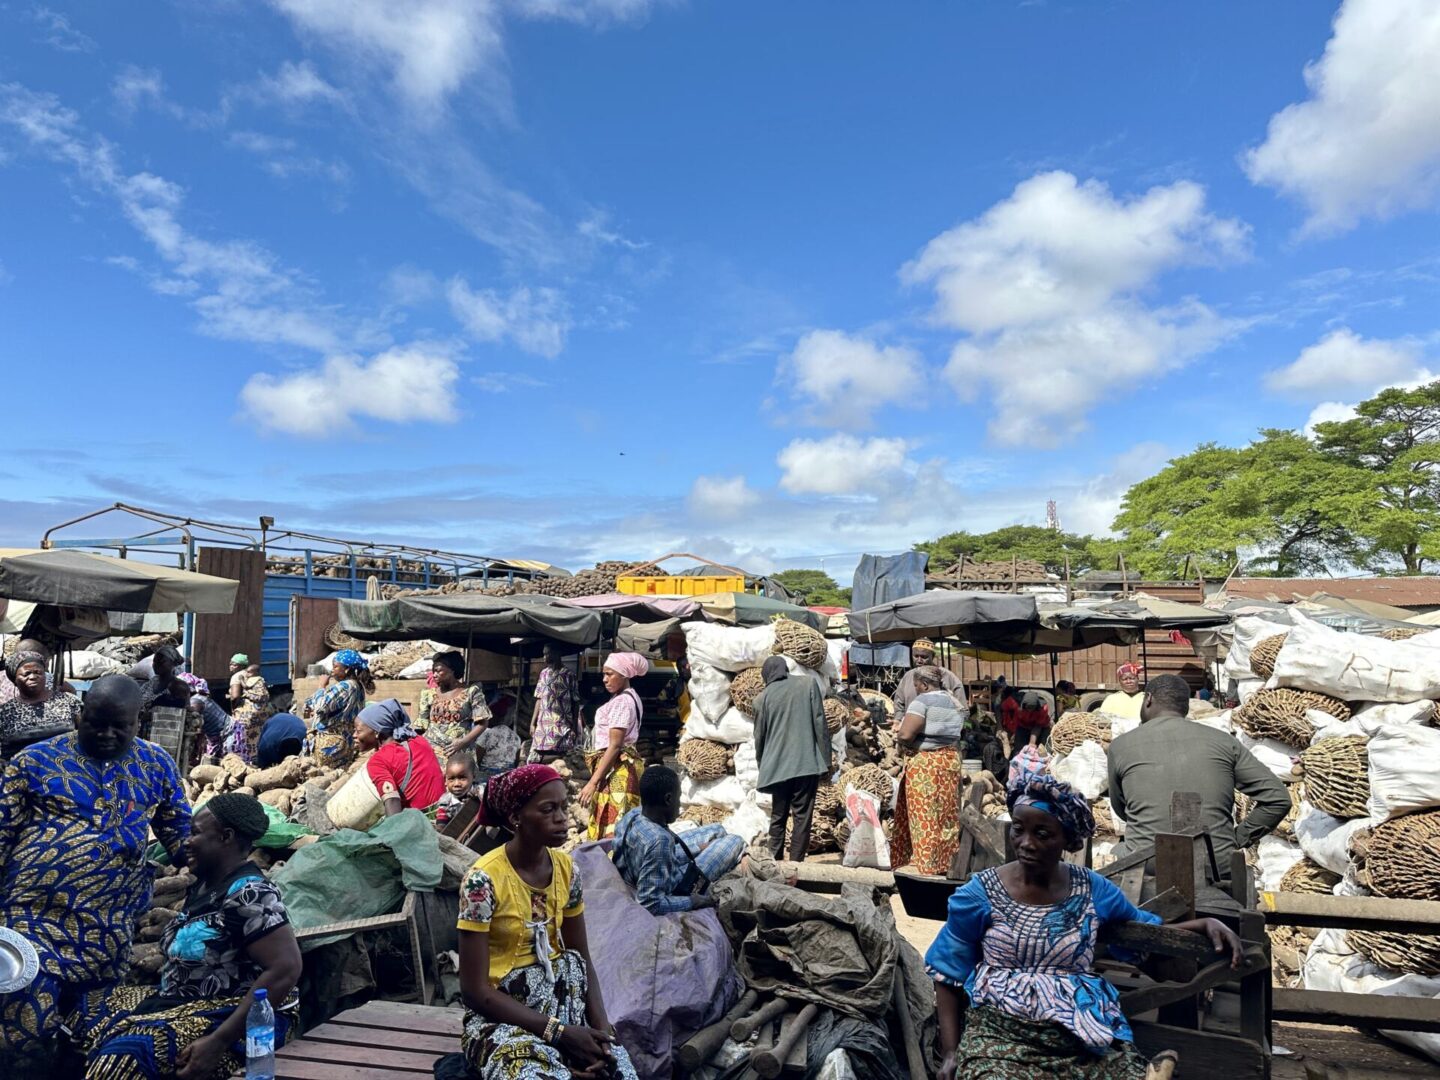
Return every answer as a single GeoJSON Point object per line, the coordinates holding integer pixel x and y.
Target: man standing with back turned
{"type": "Point", "coordinates": [1168, 753]}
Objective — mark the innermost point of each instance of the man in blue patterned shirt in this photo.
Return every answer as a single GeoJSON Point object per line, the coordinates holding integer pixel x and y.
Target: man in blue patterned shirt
{"type": "Point", "coordinates": [670, 872]}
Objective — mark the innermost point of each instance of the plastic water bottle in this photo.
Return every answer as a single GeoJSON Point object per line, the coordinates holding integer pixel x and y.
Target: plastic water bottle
{"type": "Point", "coordinates": [260, 1039]}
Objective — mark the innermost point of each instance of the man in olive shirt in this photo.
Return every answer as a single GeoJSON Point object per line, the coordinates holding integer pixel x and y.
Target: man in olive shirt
{"type": "Point", "coordinates": [1168, 753]}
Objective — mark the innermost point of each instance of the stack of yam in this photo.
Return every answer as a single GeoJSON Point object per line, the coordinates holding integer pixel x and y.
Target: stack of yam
{"type": "Point", "coordinates": [801, 643]}
{"type": "Point", "coordinates": [745, 688]}
{"type": "Point", "coordinates": [829, 802]}
{"type": "Point", "coordinates": [1308, 877]}
{"type": "Point", "coordinates": [1337, 776]}
{"type": "Point", "coordinates": [1417, 953]}
{"type": "Point", "coordinates": [1280, 715]}
{"type": "Point", "coordinates": [704, 815]}
{"type": "Point", "coordinates": [871, 778]}
{"type": "Point", "coordinates": [1404, 633]}
{"type": "Point", "coordinates": [837, 714]}
{"type": "Point", "coordinates": [1400, 858]}
{"type": "Point", "coordinates": [1262, 657]}
{"type": "Point", "coordinates": [1074, 728]}
{"type": "Point", "coordinates": [704, 760]}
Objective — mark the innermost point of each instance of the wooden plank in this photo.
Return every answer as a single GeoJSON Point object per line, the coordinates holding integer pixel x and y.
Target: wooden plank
{"type": "Point", "coordinates": [1169, 905]}
{"type": "Point", "coordinates": [1126, 862]}
{"type": "Point", "coordinates": [1158, 941]}
{"type": "Point", "coordinates": [1132, 883]}
{"type": "Point", "coordinates": [219, 637]}
{"type": "Point", "coordinates": [1337, 1009]}
{"type": "Point", "coordinates": [1351, 912]}
{"type": "Point", "coordinates": [300, 1069]}
{"type": "Point", "coordinates": [310, 617]}
{"type": "Point", "coordinates": [405, 1016]}
{"type": "Point", "coordinates": [417, 1041]}
{"type": "Point", "coordinates": [402, 1060]}
{"type": "Point", "coordinates": [1157, 995]}
{"type": "Point", "coordinates": [1203, 1053]}
{"type": "Point", "coordinates": [1175, 868]}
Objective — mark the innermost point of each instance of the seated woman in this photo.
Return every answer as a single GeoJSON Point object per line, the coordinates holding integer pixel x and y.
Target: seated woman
{"type": "Point", "coordinates": [533, 1005]}
{"type": "Point", "coordinates": [927, 815]}
{"type": "Point", "coordinates": [403, 768]}
{"type": "Point", "coordinates": [1019, 941]}
{"type": "Point", "coordinates": [232, 937]}
{"type": "Point", "coordinates": [36, 711]}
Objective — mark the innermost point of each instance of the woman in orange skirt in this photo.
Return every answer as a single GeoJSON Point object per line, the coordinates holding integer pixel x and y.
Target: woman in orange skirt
{"type": "Point", "coordinates": [927, 808]}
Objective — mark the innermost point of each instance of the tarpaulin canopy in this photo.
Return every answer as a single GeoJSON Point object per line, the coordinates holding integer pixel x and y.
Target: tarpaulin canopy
{"type": "Point", "coordinates": [639, 608]}
{"type": "Point", "coordinates": [976, 617]}
{"type": "Point", "coordinates": [1141, 612]}
{"type": "Point", "coordinates": [72, 578]}
{"type": "Point", "coordinates": [500, 624]}
{"type": "Point", "coordinates": [747, 609]}
{"type": "Point", "coordinates": [878, 580]}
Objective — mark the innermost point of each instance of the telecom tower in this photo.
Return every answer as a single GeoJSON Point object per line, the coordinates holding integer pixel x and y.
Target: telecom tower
{"type": "Point", "coordinates": [1052, 516]}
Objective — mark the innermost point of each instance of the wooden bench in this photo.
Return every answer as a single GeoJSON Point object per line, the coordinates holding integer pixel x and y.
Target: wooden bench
{"type": "Point", "coordinates": [378, 1041]}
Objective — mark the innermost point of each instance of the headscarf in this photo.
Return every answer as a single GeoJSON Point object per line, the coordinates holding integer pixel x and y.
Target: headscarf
{"type": "Point", "coordinates": [352, 659]}
{"type": "Point", "coordinates": [1127, 669]}
{"type": "Point", "coordinates": [171, 653]}
{"type": "Point", "coordinates": [196, 684]}
{"type": "Point", "coordinates": [388, 717]}
{"type": "Point", "coordinates": [629, 664]}
{"type": "Point", "coordinates": [774, 669]}
{"type": "Point", "coordinates": [242, 813]}
{"type": "Point", "coordinates": [19, 659]}
{"type": "Point", "coordinates": [241, 659]}
{"type": "Point", "coordinates": [1056, 798]}
{"type": "Point", "coordinates": [507, 794]}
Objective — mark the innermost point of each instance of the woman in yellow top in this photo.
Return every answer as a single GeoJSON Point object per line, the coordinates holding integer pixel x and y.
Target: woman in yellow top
{"type": "Point", "coordinates": [533, 1005]}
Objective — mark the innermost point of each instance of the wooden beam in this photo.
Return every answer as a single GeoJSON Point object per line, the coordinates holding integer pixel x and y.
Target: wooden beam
{"type": "Point", "coordinates": [1351, 912]}
{"type": "Point", "coordinates": [1203, 1053]}
{"type": "Point", "coordinates": [1357, 1010]}
{"type": "Point", "coordinates": [1159, 941]}
{"type": "Point", "coordinates": [1157, 995]}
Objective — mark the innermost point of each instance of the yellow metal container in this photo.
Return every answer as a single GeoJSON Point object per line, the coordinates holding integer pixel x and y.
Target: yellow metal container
{"type": "Point", "coordinates": [683, 585]}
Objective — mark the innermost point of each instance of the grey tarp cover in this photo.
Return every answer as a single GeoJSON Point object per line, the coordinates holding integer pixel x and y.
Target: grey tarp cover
{"type": "Point", "coordinates": [462, 619]}
{"type": "Point", "coordinates": [663, 977]}
{"type": "Point", "coordinates": [880, 578]}
{"type": "Point", "coordinates": [358, 875]}
{"type": "Point", "coordinates": [82, 579]}
{"type": "Point", "coordinates": [974, 617]}
{"type": "Point", "coordinates": [838, 952]}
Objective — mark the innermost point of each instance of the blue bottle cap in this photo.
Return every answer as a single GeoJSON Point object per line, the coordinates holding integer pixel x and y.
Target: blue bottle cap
{"type": "Point", "coordinates": [261, 994]}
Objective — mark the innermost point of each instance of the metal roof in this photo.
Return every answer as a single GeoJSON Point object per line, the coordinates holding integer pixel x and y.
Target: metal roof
{"type": "Point", "coordinates": [1418, 591]}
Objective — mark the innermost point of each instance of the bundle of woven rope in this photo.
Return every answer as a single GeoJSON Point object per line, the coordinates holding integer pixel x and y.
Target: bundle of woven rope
{"type": "Point", "coordinates": [1280, 715]}
{"type": "Point", "coordinates": [1262, 657]}
{"type": "Point", "coordinates": [1404, 633]}
{"type": "Point", "coordinates": [803, 644]}
{"type": "Point", "coordinates": [1104, 817]}
{"type": "Point", "coordinates": [1074, 728]}
{"type": "Point", "coordinates": [745, 688]}
{"type": "Point", "coordinates": [837, 714]}
{"type": "Point", "coordinates": [1286, 829]}
{"type": "Point", "coordinates": [829, 802]}
{"type": "Point", "coordinates": [704, 760]}
{"type": "Point", "coordinates": [1417, 953]}
{"type": "Point", "coordinates": [1400, 858]}
{"type": "Point", "coordinates": [705, 815]}
{"type": "Point", "coordinates": [871, 778]}
{"type": "Point", "coordinates": [1337, 776]}
{"type": "Point", "coordinates": [1308, 877]}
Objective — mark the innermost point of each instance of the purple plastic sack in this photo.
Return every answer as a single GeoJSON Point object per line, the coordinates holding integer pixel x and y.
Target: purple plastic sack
{"type": "Point", "coordinates": [663, 977]}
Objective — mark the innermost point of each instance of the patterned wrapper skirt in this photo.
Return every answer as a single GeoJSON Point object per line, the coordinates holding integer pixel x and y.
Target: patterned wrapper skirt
{"type": "Point", "coordinates": [998, 1046]}
{"type": "Point", "coordinates": [618, 795]}
{"type": "Point", "coordinates": [505, 1052]}
{"type": "Point", "coordinates": [122, 1043]}
{"type": "Point", "coordinates": [927, 812]}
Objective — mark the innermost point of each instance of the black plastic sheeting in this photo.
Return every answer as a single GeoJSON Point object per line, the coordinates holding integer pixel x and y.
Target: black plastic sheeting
{"type": "Point", "coordinates": [879, 578]}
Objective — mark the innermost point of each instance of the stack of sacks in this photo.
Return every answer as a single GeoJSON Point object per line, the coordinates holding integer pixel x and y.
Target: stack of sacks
{"type": "Point", "coordinates": [1079, 755]}
{"type": "Point", "coordinates": [1354, 718]}
{"type": "Point", "coordinates": [717, 748]}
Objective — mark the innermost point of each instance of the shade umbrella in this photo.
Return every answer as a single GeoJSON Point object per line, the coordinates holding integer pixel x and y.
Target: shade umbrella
{"type": "Point", "coordinates": [70, 578]}
{"type": "Point", "coordinates": [976, 617]}
{"type": "Point", "coordinates": [516, 625]}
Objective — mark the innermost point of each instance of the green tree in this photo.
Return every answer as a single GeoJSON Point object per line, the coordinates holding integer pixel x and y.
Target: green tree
{"type": "Point", "coordinates": [1278, 506]}
{"type": "Point", "coordinates": [1395, 439]}
{"type": "Point", "coordinates": [1046, 546]}
{"type": "Point", "coordinates": [813, 588]}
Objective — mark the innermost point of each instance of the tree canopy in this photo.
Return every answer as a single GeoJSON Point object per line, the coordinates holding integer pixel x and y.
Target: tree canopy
{"type": "Point", "coordinates": [1043, 545]}
{"type": "Point", "coordinates": [813, 588]}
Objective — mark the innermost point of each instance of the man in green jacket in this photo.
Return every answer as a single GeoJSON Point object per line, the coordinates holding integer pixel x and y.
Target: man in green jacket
{"type": "Point", "coordinates": [792, 746]}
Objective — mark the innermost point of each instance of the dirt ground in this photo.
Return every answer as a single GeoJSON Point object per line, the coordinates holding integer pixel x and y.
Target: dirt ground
{"type": "Point", "coordinates": [1315, 1053]}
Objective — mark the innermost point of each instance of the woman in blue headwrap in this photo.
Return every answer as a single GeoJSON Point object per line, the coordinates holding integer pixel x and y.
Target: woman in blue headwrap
{"type": "Point", "coordinates": [331, 710]}
{"type": "Point", "coordinates": [1019, 941]}
{"type": "Point", "coordinates": [403, 767]}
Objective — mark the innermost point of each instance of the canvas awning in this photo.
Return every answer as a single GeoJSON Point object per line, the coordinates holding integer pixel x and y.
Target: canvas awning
{"type": "Point", "coordinates": [748, 609]}
{"type": "Point", "coordinates": [71, 578]}
{"type": "Point", "coordinates": [500, 624]}
{"type": "Point", "coordinates": [639, 609]}
{"type": "Point", "coordinates": [975, 617]}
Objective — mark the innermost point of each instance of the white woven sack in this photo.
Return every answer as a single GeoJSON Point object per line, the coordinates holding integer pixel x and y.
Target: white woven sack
{"type": "Point", "coordinates": [1376, 715]}
{"type": "Point", "coordinates": [709, 691]}
{"type": "Point", "coordinates": [1244, 688]}
{"type": "Point", "coordinates": [1220, 721]}
{"type": "Point", "coordinates": [1276, 857]}
{"type": "Point", "coordinates": [1353, 667]}
{"type": "Point", "coordinates": [1332, 965]}
{"type": "Point", "coordinates": [1274, 755]}
{"type": "Point", "coordinates": [729, 648]}
{"type": "Point", "coordinates": [747, 766]}
{"type": "Point", "coordinates": [751, 819]}
{"type": "Point", "coordinates": [1084, 769]}
{"type": "Point", "coordinates": [1249, 631]}
{"type": "Point", "coordinates": [732, 729]}
{"type": "Point", "coordinates": [1326, 839]}
{"type": "Point", "coordinates": [1404, 770]}
{"type": "Point", "coordinates": [83, 664]}
{"type": "Point", "coordinates": [727, 792]}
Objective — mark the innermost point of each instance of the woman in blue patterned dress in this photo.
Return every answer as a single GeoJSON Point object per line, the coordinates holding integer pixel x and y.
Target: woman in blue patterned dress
{"type": "Point", "coordinates": [1019, 941]}
{"type": "Point", "coordinates": [231, 938]}
{"type": "Point", "coordinates": [330, 711]}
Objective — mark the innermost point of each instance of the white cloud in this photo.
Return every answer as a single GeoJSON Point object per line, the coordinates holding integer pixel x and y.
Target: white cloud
{"type": "Point", "coordinates": [1092, 506]}
{"type": "Point", "coordinates": [291, 85]}
{"type": "Point", "coordinates": [846, 378]}
{"type": "Point", "coordinates": [721, 497]}
{"type": "Point", "coordinates": [1327, 412]}
{"type": "Point", "coordinates": [59, 34]}
{"type": "Point", "coordinates": [842, 465]}
{"type": "Point", "coordinates": [534, 319]}
{"type": "Point", "coordinates": [137, 87]}
{"type": "Point", "coordinates": [584, 11]}
{"type": "Point", "coordinates": [1047, 287]}
{"type": "Point", "coordinates": [282, 158]}
{"type": "Point", "coordinates": [1344, 362]}
{"type": "Point", "coordinates": [402, 384]}
{"type": "Point", "coordinates": [428, 48]}
{"type": "Point", "coordinates": [502, 382]}
{"type": "Point", "coordinates": [1366, 141]}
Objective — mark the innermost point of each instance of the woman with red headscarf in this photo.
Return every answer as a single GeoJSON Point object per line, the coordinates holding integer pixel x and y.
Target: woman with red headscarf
{"type": "Point", "coordinates": [533, 1008]}
{"type": "Point", "coordinates": [614, 787]}
{"type": "Point", "coordinates": [1127, 700]}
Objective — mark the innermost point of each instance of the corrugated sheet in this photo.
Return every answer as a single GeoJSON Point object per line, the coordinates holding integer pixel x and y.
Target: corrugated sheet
{"type": "Point", "coordinates": [1419, 591]}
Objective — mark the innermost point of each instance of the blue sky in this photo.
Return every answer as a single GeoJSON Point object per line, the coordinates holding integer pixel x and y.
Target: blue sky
{"type": "Point", "coordinates": [778, 283]}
